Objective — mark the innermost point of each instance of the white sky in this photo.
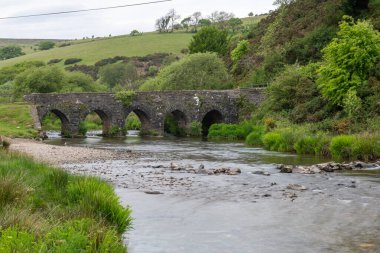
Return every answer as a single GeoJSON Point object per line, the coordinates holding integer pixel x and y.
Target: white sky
{"type": "Point", "coordinates": [105, 22]}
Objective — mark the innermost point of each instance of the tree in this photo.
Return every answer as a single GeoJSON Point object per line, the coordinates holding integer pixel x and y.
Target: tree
{"type": "Point", "coordinates": [135, 33]}
{"type": "Point", "coordinates": [348, 59]}
{"type": "Point", "coordinates": [282, 2]}
{"type": "Point", "coordinates": [40, 80]}
{"type": "Point", "coordinates": [162, 24]}
{"type": "Point", "coordinates": [186, 23]}
{"type": "Point", "coordinates": [195, 20]}
{"type": "Point", "coordinates": [46, 45]}
{"type": "Point", "coordinates": [250, 14]}
{"type": "Point", "coordinates": [9, 52]}
{"type": "Point", "coordinates": [118, 74]}
{"type": "Point", "coordinates": [172, 15]}
{"type": "Point", "coordinates": [209, 39]}
{"type": "Point", "coordinates": [235, 24]}
{"type": "Point", "coordinates": [79, 82]}
{"type": "Point", "coordinates": [204, 22]}
{"type": "Point", "coordinates": [194, 72]}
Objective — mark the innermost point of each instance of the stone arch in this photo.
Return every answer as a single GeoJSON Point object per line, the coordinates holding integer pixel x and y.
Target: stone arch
{"type": "Point", "coordinates": [144, 118]}
{"type": "Point", "coordinates": [210, 118]}
{"type": "Point", "coordinates": [181, 120]}
{"type": "Point", "coordinates": [105, 118]}
{"type": "Point", "coordinates": [65, 123]}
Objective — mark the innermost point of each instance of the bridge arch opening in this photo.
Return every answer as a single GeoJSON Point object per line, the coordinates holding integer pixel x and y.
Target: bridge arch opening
{"type": "Point", "coordinates": [138, 120]}
{"type": "Point", "coordinates": [212, 117]}
{"type": "Point", "coordinates": [55, 120]}
{"type": "Point", "coordinates": [175, 123]}
{"type": "Point", "coordinates": [132, 122]}
{"type": "Point", "coordinates": [94, 121]}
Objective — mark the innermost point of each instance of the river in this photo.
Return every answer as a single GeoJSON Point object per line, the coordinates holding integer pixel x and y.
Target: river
{"type": "Point", "coordinates": [247, 213]}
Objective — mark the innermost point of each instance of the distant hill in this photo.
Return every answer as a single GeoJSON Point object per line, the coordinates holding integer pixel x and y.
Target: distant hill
{"type": "Point", "coordinates": [93, 50]}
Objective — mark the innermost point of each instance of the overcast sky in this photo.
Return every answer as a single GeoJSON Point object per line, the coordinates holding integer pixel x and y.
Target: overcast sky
{"type": "Point", "coordinates": [105, 22]}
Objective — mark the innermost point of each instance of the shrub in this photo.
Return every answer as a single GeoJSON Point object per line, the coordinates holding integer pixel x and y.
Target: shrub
{"type": "Point", "coordinates": [306, 145]}
{"type": "Point", "coordinates": [46, 45]}
{"type": "Point", "coordinates": [195, 129]}
{"type": "Point", "coordinates": [126, 97]}
{"type": "Point", "coordinates": [271, 140]}
{"type": "Point", "coordinates": [9, 52]}
{"type": "Point", "coordinates": [72, 61]}
{"type": "Point", "coordinates": [133, 122]}
{"type": "Point", "coordinates": [209, 39]}
{"type": "Point", "coordinates": [366, 147]}
{"type": "Point", "coordinates": [341, 146]}
{"type": "Point", "coordinates": [54, 61]}
{"type": "Point", "coordinates": [229, 131]}
{"type": "Point", "coordinates": [194, 72]}
{"type": "Point", "coordinates": [255, 137]}
{"type": "Point", "coordinates": [82, 129]}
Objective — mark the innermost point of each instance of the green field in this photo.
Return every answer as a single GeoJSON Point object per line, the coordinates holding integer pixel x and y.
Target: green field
{"type": "Point", "coordinates": [91, 51]}
{"type": "Point", "coordinates": [16, 121]}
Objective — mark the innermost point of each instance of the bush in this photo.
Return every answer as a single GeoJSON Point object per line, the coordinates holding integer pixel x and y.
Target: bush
{"type": "Point", "coordinates": [341, 147]}
{"type": "Point", "coordinates": [194, 72]}
{"type": "Point", "coordinates": [209, 39]}
{"type": "Point", "coordinates": [54, 61]}
{"type": "Point", "coordinates": [306, 145]}
{"type": "Point", "coordinates": [230, 131]}
{"type": "Point", "coordinates": [46, 45]}
{"type": "Point", "coordinates": [133, 122]}
{"type": "Point", "coordinates": [255, 137]}
{"type": "Point", "coordinates": [366, 147]}
{"type": "Point", "coordinates": [72, 61]}
{"type": "Point", "coordinates": [126, 97]}
{"type": "Point", "coordinates": [9, 52]}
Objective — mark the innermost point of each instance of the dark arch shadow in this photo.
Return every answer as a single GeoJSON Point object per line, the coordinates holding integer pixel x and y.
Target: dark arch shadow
{"type": "Point", "coordinates": [144, 119]}
{"type": "Point", "coordinates": [212, 117]}
{"type": "Point", "coordinates": [105, 118]}
{"type": "Point", "coordinates": [176, 123]}
{"type": "Point", "coordinates": [65, 124]}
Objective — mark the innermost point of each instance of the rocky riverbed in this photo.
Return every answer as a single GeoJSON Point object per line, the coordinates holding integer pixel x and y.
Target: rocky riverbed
{"type": "Point", "coordinates": [191, 196]}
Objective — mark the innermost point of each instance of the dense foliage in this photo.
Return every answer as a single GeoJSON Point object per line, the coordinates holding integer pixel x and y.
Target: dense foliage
{"type": "Point", "coordinates": [209, 39]}
{"type": "Point", "coordinates": [9, 52]}
{"type": "Point", "coordinates": [200, 71]}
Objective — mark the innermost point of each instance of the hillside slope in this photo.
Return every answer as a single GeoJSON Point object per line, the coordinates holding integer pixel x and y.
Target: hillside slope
{"type": "Point", "coordinates": [91, 51]}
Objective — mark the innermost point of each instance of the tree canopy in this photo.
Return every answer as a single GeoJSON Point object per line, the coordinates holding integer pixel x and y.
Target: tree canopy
{"type": "Point", "coordinates": [209, 39]}
{"type": "Point", "coordinates": [9, 52]}
{"type": "Point", "coordinates": [348, 59]}
{"type": "Point", "coordinates": [195, 72]}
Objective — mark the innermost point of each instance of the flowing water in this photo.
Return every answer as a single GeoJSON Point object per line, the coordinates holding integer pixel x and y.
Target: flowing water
{"type": "Point", "coordinates": [339, 212]}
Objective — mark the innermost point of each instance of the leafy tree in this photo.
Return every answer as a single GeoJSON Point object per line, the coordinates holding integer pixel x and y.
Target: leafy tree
{"type": "Point", "coordinates": [194, 72]}
{"type": "Point", "coordinates": [46, 45]}
{"type": "Point", "coordinates": [79, 82]}
{"type": "Point", "coordinates": [250, 14]}
{"type": "Point", "coordinates": [209, 39]}
{"type": "Point", "coordinates": [186, 23]}
{"type": "Point", "coordinates": [118, 73]}
{"type": "Point", "coordinates": [204, 22]}
{"type": "Point", "coordinates": [172, 15]}
{"type": "Point", "coordinates": [9, 73]}
{"type": "Point", "coordinates": [39, 80]}
{"type": "Point", "coordinates": [348, 59]}
{"type": "Point", "coordinates": [135, 33]}
{"type": "Point", "coordinates": [235, 24]}
{"type": "Point", "coordinates": [195, 19]}
{"type": "Point", "coordinates": [9, 52]}
{"type": "Point", "coordinates": [240, 50]}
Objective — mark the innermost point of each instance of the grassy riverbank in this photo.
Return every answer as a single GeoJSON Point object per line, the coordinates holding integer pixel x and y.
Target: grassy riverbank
{"type": "Point", "coordinates": [16, 121]}
{"type": "Point", "coordinates": [44, 209]}
{"type": "Point", "coordinates": [284, 136]}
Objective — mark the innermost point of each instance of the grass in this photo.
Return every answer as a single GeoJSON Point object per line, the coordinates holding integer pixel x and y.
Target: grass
{"type": "Point", "coordinates": [91, 51]}
{"type": "Point", "coordinates": [44, 209]}
{"type": "Point", "coordinates": [16, 121]}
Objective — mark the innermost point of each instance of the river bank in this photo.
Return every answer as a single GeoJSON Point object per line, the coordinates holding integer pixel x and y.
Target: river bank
{"type": "Point", "coordinates": [58, 155]}
{"type": "Point", "coordinates": [177, 206]}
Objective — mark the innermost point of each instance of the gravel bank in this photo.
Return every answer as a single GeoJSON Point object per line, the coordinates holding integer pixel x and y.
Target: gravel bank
{"type": "Point", "coordinates": [58, 155]}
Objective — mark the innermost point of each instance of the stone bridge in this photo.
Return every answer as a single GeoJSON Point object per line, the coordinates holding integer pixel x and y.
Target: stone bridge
{"type": "Point", "coordinates": [205, 107]}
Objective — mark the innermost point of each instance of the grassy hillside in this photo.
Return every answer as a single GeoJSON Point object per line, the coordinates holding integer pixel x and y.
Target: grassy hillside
{"type": "Point", "coordinates": [16, 121]}
{"type": "Point", "coordinates": [91, 51]}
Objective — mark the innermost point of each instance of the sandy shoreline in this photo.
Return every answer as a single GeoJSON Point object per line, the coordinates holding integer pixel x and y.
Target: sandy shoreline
{"type": "Point", "coordinates": [59, 155]}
